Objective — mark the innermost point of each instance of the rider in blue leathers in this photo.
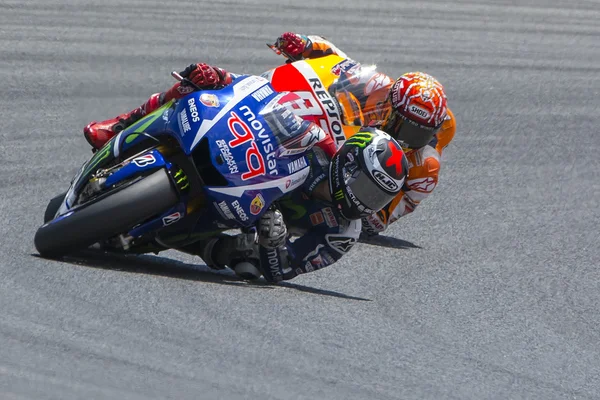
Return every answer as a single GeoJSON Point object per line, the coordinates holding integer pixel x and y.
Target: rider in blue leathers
{"type": "Point", "coordinates": [323, 214]}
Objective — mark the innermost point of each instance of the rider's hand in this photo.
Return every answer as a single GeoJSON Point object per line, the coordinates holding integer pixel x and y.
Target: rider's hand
{"type": "Point", "coordinates": [205, 76]}
{"type": "Point", "coordinates": [202, 75]}
{"type": "Point", "coordinates": [291, 44]}
{"type": "Point", "coordinates": [272, 231]}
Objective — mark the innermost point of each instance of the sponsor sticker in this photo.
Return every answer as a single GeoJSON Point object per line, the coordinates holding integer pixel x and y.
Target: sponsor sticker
{"type": "Point", "coordinates": [418, 111]}
{"type": "Point", "coordinates": [274, 264]}
{"type": "Point", "coordinates": [171, 218]}
{"type": "Point", "coordinates": [193, 110]}
{"type": "Point", "coordinates": [309, 267]}
{"type": "Point", "coordinates": [341, 244]}
{"type": "Point", "coordinates": [294, 183]}
{"type": "Point", "coordinates": [262, 93]}
{"type": "Point", "coordinates": [297, 165]}
{"type": "Point", "coordinates": [317, 218]}
{"type": "Point", "coordinates": [347, 65]}
{"type": "Point", "coordinates": [239, 210]}
{"type": "Point", "coordinates": [146, 159]}
{"type": "Point", "coordinates": [425, 185]}
{"type": "Point", "coordinates": [227, 156]}
{"type": "Point", "coordinates": [385, 181]}
{"type": "Point", "coordinates": [261, 134]}
{"type": "Point", "coordinates": [377, 82]}
{"type": "Point", "coordinates": [251, 129]}
{"type": "Point", "coordinates": [184, 122]}
{"type": "Point", "coordinates": [209, 100]}
{"type": "Point", "coordinates": [257, 204]}
{"type": "Point", "coordinates": [330, 218]}
{"type": "Point", "coordinates": [224, 210]}
{"type": "Point", "coordinates": [317, 261]}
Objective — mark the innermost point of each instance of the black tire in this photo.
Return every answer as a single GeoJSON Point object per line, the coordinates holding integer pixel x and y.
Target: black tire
{"type": "Point", "coordinates": [53, 207]}
{"type": "Point", "coordinates": [108, 216]}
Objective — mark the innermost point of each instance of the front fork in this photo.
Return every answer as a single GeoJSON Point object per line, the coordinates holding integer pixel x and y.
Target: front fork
{"type": "Point", "coordinates": [190, 193]}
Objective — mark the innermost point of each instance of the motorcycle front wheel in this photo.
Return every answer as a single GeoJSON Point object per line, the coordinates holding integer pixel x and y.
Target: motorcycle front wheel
{"type": "Point", "coordinates": [111, 214]}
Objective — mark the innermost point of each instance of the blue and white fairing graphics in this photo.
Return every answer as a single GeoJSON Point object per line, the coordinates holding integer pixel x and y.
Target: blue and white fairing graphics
{"type": "Point", "coordinates": [245, 130]}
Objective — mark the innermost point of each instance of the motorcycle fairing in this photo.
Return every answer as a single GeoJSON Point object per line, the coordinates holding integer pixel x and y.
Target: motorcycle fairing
{"type": "Point", "coordinates": [347, 82]}
{"type": "Point", "coordinates": [232, 120]}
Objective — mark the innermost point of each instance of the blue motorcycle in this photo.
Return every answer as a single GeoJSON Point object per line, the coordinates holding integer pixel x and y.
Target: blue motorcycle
{"type": "Point", "coordinates": [211, 161]}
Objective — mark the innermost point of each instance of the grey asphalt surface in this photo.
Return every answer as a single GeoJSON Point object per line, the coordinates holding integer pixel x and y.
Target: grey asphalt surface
{"type": "Point", "coordinates": [490, 290]}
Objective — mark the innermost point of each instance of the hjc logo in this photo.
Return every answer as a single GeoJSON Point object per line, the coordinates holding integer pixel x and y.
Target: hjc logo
{"type": "Point", "coordinates": [385, 181]}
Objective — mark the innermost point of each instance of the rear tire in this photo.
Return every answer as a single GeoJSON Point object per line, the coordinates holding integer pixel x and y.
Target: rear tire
{"type": "Point", "coordinates": [115, 213]}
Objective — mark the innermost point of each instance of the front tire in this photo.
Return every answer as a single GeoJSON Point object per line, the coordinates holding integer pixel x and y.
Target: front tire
{"type": "Point", "coordinates": [110, 215]}
{"type": "Point", "coordinates": [53, 207]}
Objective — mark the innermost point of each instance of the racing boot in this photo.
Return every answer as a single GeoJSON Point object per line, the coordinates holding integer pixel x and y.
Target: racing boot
{"type": "Point", "coordinates": [239, 252]}
{"type": "Point", "coordinates": [98, 133]}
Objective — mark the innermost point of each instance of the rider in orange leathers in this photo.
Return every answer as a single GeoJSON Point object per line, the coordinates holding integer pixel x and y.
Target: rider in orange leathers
{"type": "Point", "coordinates": [412, 109]}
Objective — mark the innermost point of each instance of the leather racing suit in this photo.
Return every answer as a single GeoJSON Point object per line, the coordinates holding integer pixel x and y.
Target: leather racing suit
{"type": "Point", "coordinates": [322, 235]}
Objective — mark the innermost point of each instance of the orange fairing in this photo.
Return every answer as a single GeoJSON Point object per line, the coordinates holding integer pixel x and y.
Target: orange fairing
{"type": "Point", "coordinates": [352, 113]}
{"type": "Point", "coordinates": [446, 134]}
{"type": "Point", "coordinates": [338, 94]}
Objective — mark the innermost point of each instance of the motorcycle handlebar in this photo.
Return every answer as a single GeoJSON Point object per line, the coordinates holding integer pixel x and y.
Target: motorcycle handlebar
{"type": "Point", "coordinates": [184, 81]}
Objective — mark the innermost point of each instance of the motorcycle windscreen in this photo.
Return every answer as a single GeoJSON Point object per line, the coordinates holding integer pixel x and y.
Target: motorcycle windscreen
{"type": "Point", "coordinates": [362, 93]}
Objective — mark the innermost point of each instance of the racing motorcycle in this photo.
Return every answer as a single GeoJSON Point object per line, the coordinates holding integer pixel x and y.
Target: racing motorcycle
{"type": "Point", "coordinates": [212, 161]}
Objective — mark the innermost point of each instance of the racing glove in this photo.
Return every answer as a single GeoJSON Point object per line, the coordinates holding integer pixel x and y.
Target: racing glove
{"type": "Point", "coordinates": [272, 231]}
{"type": "Point", "coordinates": [202, 75]}
{"type": "Point", "coordinates": [292, 45]}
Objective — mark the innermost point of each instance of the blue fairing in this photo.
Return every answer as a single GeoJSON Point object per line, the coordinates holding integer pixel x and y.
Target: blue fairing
{"type": "Point", "coordinates": [243, 147]}
{"type": "Point", "coordinates": [234, 137]}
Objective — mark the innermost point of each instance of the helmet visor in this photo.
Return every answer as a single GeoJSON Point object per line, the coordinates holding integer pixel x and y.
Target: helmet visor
{"type": "Point", "coordinates": [408, 133]}
{"type": "Point", "coordinates": [367, 193]}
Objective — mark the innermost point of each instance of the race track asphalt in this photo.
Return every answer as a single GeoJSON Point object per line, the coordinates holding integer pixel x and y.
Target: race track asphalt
{"type": "Point", "coordinates": [490, 290]}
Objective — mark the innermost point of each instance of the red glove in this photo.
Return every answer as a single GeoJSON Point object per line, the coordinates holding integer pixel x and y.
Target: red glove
{"type": "Point", "coordinates": [291, 44]}
{"type": "Point", "coordinates": [206, 76]}
{"type": "Point", "coordinates": [202, 75]}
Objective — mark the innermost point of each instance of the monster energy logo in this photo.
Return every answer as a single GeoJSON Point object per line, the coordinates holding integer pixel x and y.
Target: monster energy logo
{"type": "Point", "coordinates": [97, 159]}
{"type": "Point", "coordinates": [181, 179]}
{"type": "Point", "coordinates": [360, 139]}
{"type": "Point", "coordinates": [339, 195]}
{"type": "Point", "coordinates": [144, 123]}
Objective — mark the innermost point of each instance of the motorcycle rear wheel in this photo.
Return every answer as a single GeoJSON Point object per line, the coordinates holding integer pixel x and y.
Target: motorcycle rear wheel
{"type": "Point", "coordinates": [109, 215]}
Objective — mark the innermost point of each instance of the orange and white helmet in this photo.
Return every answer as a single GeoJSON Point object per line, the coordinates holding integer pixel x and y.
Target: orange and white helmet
{"type": "Point", "coordinates": [418, 109]}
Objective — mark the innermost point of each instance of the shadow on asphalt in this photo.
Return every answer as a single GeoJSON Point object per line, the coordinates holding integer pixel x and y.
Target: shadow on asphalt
{"type": "Point", "coordinates": [387, 241]}
{"type": "Point", "coordinates": [167, 267]}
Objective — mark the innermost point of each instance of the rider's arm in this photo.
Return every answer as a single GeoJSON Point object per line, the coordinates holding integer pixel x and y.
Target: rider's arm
{"type": "Point", "coordinates": [422, 179]}
{"type": "Point", "coordinates": [315, 249]}
{"type": "Point", "coordinates": [296, 46]}
{"type": "Point", "coordinates": [326, 235]}
{"type": "Point", "coordinates": [318, 46]}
